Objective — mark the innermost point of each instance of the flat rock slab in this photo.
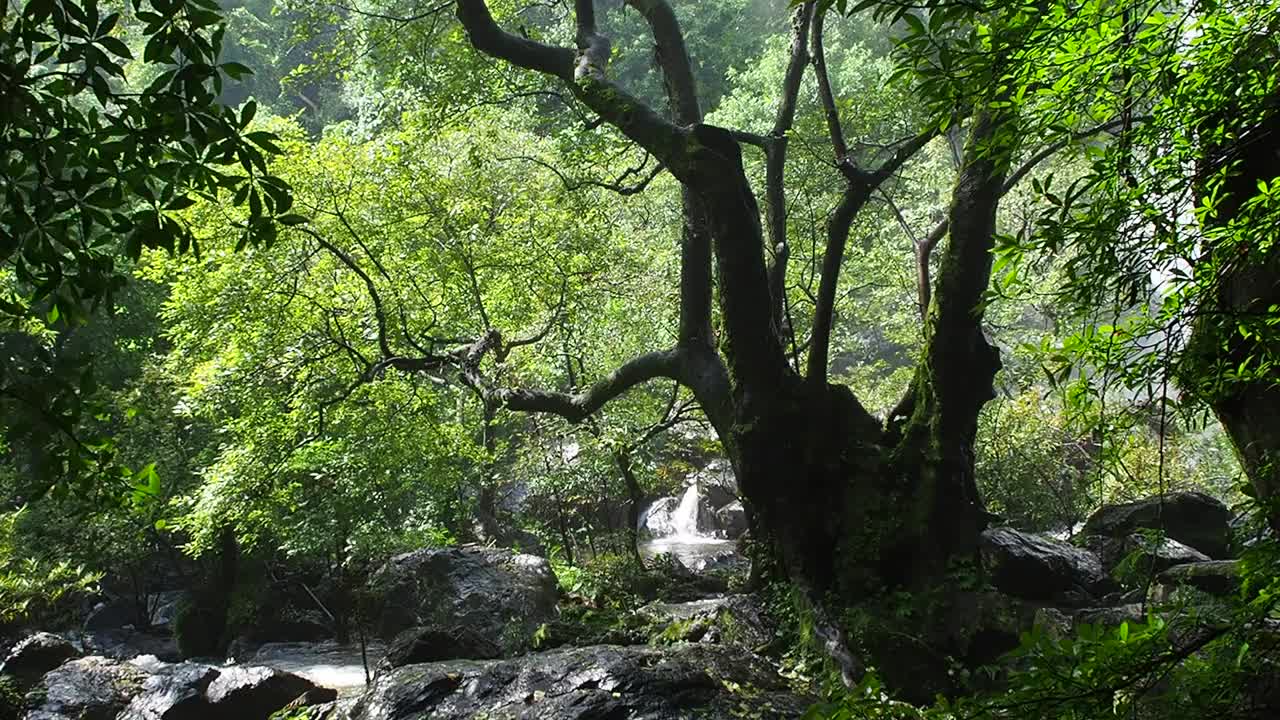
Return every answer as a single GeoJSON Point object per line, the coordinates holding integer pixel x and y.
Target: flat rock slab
{"type": "Point", "coordinates": [713, 682]}
{"type": "Point", "coordinates": [99, 688]}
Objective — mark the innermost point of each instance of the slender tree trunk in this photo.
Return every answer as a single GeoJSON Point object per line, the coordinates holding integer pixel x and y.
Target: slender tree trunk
{"type": "Point", "coordinates": [634, 497]}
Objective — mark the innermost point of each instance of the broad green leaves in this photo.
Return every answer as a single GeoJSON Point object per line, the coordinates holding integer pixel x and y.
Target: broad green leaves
{"type": "Point", "coordinates": [97, 164]}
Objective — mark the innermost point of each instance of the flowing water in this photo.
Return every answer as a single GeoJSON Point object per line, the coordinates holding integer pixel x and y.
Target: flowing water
{"type": "Point", "coordinates": [681, 534]}
{"type": "Point", "coordinates": [326, 664]}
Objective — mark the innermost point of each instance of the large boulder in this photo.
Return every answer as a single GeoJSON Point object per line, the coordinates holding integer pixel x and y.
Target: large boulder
{"type": "Point", "coordinates": [713, 682]}
{"type": "Point", "coordinates": [256, 692]}
{"type": "Point", "coordinates": [1191, 518]}
{"type": "Point", "coordinates": [431, 644]}
{"type": "Point", "coordinates": [90, 688]}
{"type": "Point", "coordinates": [493, 593]}
{"type": "Point", "coordinates": [30, 659]}
{"type": "Point", "coordinates": [732, 519]}
{"type": "Point", "coordinates": [1135, 558]}
{"type": "Point", "coordinates": [96, 688]}
{"type": "Point", "coordinates": [717, 483]}
{"type": "Point", "coordinates": [171, 692]}
{"type": "Point", "coordinates": [1034, 567]}
{"type": "Point", "coordinates": [1215, 577]}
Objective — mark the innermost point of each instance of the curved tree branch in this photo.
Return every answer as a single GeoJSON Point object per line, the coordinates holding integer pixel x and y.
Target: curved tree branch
{"type": "Point", "coordinates": [575, 407]}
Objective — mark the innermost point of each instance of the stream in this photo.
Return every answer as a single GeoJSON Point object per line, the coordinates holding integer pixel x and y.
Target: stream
{"type": "Point", "coordinates": [327, 664]}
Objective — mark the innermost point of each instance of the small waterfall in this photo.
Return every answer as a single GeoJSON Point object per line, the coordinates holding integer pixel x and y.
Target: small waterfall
{"type": "Point", "coordinates": [684, 520]}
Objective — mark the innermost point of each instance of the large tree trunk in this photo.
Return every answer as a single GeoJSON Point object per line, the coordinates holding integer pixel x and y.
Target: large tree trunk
{"type": "Point", "coordinates": [1247, 293]}
{"type": "Point", "coordinates": [852, 509]}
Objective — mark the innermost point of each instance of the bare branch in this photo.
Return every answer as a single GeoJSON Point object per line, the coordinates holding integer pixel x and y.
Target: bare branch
{"type": "Point", "coordinates": [379, 313]}
{"type": "Point", "coordinates": [617, 185]}
{"type": "Point", "coordinates": [576, 407]}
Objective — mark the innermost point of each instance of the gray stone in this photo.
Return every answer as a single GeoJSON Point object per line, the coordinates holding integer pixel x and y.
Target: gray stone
{"type": "Point", "coordinates": [91, 688]}
{"type": "Point", "coordinates": [430, 644]}
{"type": "Point", "coordinates": [1139, 557]}
{"type": "Point", "coordinates": [172, 692]}
{"type": "Point", "coordinates": [1191, 518]}
{"type": "Point", "coordinates": [99, 688]}
{"type": "Point", "coordinates": [36, 655]}
{"type": "Point", "coordinates": [495, 593]}
{"type": "Point", "coordinates": [642, 683]}
{"type": "Point", "coordinates": [1215, 577]}
{"type": "Point", "coordinates": [732, 520]}
{"type": "Point", "coordinates": [256, 692]}
{"type": "Point", "coordinates": [1034, 567]}
{"type": "Point", "coordinates": [737, 619]}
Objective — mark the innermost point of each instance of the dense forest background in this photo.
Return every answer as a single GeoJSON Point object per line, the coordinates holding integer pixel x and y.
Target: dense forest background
{"type": "Point", "coordinates": [412, 317]}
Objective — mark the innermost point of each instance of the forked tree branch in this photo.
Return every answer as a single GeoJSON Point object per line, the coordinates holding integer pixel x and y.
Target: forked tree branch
{"type": "Point", "coordinates": [924, 248]}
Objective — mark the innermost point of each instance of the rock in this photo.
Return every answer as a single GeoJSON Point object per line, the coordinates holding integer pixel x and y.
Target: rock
{"type": "Point", "coordinates": [430, 644]}
{"type": "Point", "coordinates": [737, 619]}
{"type": "Point", "coordinates": [112, 614]}
{"type": "Point", "coordinates": [256, 692]}
{"type": "Point", "coordinates": [1153, 555]}
{"type": "Point", "coordinates": [1215, 577]}
{"type": "Point", "coordinates": [1110, 616]}
{"type": "Point", "coordinates": [593, 683]}
{"type": "Point", "coordinates": [86, 689]}
{"type": "Point", "coordinates": [148, 689]}
{"type": "Point", "coordinates": [1191, 518]}
{"type": "Point", "coordinates": [1037, 568]}
{"type": "Point", "coordinates": [34, 656]}
{"type": "Point", "coordinates": [732, 519]}
{"type": "Point", "coordinates": [656, 518]}
{"type": "Point", "coordinates": [172, 692]}
{"type": "Point", "coordinates": [717, 482]}
{"type": "Point", "coordinates": [494, 593]}
{"type": "Point", "coordinates": [726, 560]}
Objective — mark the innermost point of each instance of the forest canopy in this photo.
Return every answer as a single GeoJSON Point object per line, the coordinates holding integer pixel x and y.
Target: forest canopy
{"type": "Point", "coordinates": [899, 305]}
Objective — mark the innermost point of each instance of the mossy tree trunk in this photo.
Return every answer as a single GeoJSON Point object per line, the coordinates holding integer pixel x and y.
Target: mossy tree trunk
{"type": "Point", "coordinates": [850, 505]}
{"type": "Point", "coordinates": [1246, 293]}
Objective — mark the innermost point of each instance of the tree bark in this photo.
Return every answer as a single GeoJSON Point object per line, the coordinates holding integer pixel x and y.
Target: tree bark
{"type": "Point", "coordinates": [1246, 291]}
{"type": "Point", "coordinates": [849, 507]}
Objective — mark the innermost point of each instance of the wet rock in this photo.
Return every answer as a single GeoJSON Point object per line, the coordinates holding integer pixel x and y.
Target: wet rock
{"type": "Point", "coordinates": [1215, 577]}
{"type": "Point", "coordinates": [256, 692]}
{"type": "Point", "coordinates": [34, 656]}
{"type": "Point", "coordinates": [732, 519]}
{"type": "Point", "coordinates": [96, 688]}
{"type": "Point", "coordinates": [1034, 567]}
{"type": "Point", "coordinates": [430, 644]}
{"type": "Point", "coordinates": [739, 619]}
{"type": "Point", "coordinates": [717, 483]}
{"type": "Point", "coordinates": [586, 683]}
{"type": "Point", "coordinates": [172, 692]}
{"type": "Point", "coordinates": [90, 688]}
{"type": "Point", "coordinates": [1191, 518]}
{"type": "Point", "coordinates": [495, 593]}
